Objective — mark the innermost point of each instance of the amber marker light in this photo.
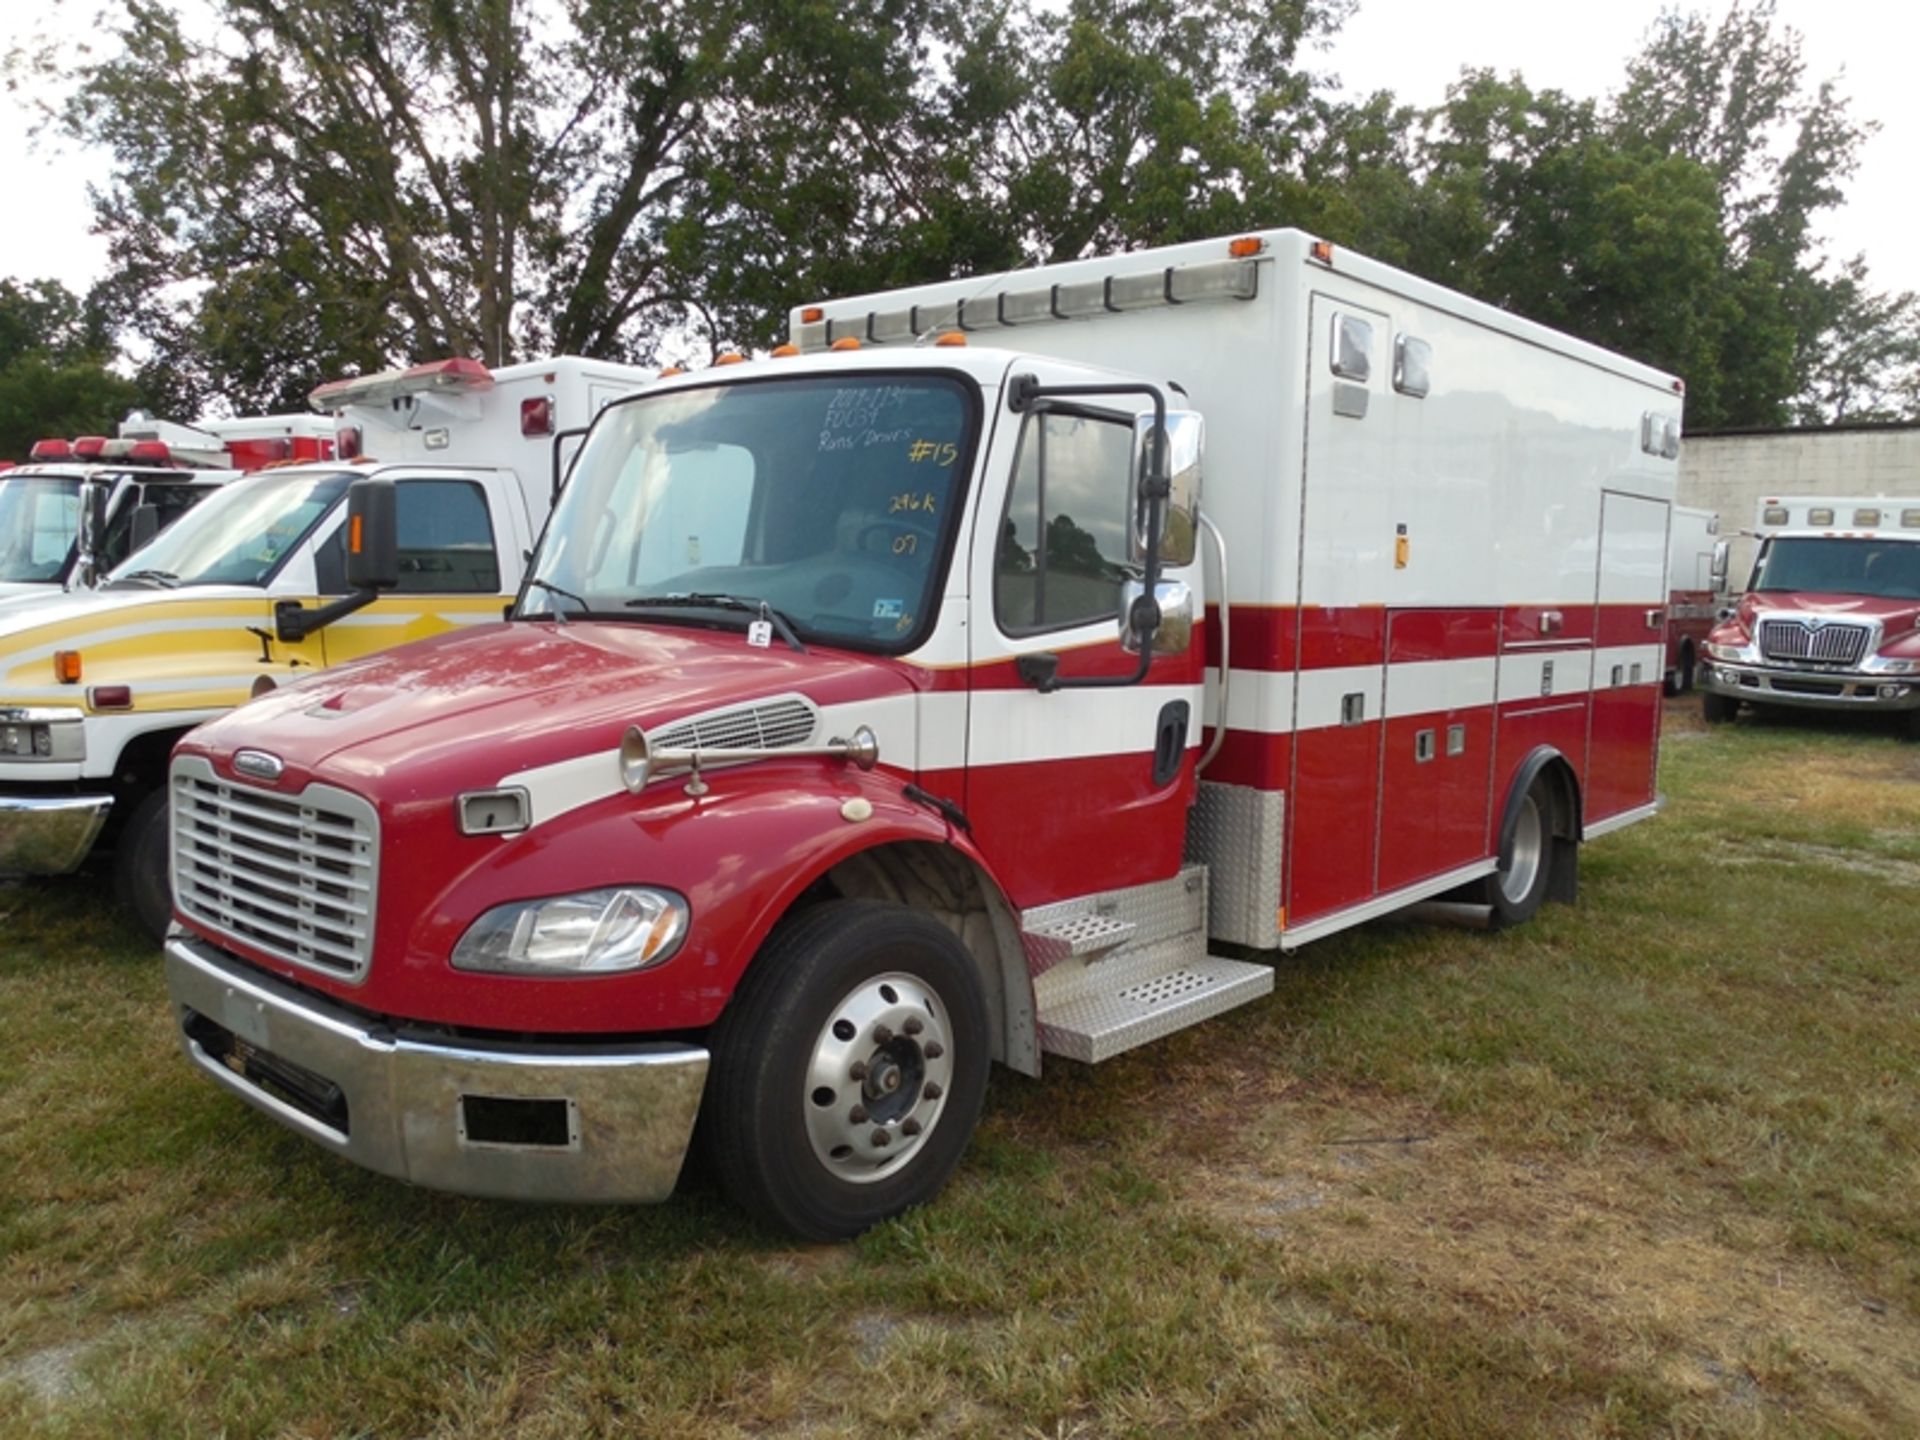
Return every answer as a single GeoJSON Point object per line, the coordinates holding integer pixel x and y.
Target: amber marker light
{"type": "Point", "coordinates": [355, 539]}
{"type": "Point", "coordinates": [1322, 250]}
{"type": "Point", "coordinates": [672, 370]}
{"type": "Point", "coordinates": [732, 357]}
{"type": "Point", "coordinates": [784, 352]}
{"type": "Point", "coordinates": [1245, 246]}
{"type": "Point", "coordinates": [951, 337]}
{"type": "Point", "coordinates": [846, 342]}
{"type": "Point", "coordinates": [812, 315]}
{"type": "Point", "coordinates": [66, 666]}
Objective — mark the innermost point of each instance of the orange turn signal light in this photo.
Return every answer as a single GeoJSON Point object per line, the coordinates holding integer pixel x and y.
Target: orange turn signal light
{"type": "Point", "coordinates": [1322, 250]}
{"type": "Point", "coordinates": [951, 337]}
{"type": "Point", "coordinates": [670, 371]}
{"type": "Point", "coordinates": [812, 315]}
{"type": "Point", "coordinates": [784, 352]}
{"type": "Point", "coordinates": [1246, 245]}
{"type": "Point", "coordinates": [66, 666]}
{"type": "Point", "coordinates": [355, 541]}
{"type": "Point", "coordinates": [846, 342]}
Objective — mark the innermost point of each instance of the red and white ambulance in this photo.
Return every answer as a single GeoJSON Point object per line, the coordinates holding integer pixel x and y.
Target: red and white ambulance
{"type": "Point", "coordinates": [1696, 591]}
{"type": "Point", "coordinates": [1831, 615]}
{"type": "Point", "coordinates": [908, 701]}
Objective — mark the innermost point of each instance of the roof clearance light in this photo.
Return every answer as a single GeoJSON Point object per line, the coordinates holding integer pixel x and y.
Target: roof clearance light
{"type": "Point", "coordinates": [732, 357]}
{"type": "Point", "coordinates": [846, 342]}
{"type": "Point", "coordinates": [784, 352]}
{"type": "Point", "coordinates": [1910, 519]}
{"type": "Point", "coordinates": [668, 372]}
{"type": "Point", "coordinates": [1821, 516]}
{"type": "Point", "coordinates": [536, 416]}
{"type": "Point", "coordinates": [50, 450]}
{"type": "Point", "coordinates": [88, 447]}
{"type": "Point", "coordinates": [1321, 250]}
{"type": "Point", "coordinates": [812, 315]}
{"type": "Point", "coordinates": [1248, 245]}
{"type": "Point", "coordinates": [1868, 518]}
{"type": "Point", "coordinates": [950, 338]}
{"type": "Point", "coordinates": [66, 666]}
{"type": "Point", "coordinates": [1774, 515]}
{"type": "Point", "coordinates": [150, 452]}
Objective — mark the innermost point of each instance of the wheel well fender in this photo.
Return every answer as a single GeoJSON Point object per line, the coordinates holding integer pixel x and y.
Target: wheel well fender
{"type": "Point", "coordinates": [1545, 763]}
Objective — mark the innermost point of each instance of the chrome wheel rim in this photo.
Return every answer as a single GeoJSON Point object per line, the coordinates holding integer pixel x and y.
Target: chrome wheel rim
{"type": "Point", "coordinates": [1520, 867]}
{"type": "Point", "coordinates": [878, 1081]}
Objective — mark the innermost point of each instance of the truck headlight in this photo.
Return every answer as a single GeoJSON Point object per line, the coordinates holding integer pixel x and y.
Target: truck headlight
{"type": "Point", "coordinates": [1722, 652]}
{"type": "Point", "coordinates": [596, 932]}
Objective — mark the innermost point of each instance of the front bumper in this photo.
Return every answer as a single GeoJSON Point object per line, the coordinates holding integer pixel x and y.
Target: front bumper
{"type": "Point", "coordinates": [49, 834]}
{"type": "Point", "coordinates": [1811, 689]}
{"type": "Point", "coordinates": [605, 1123]}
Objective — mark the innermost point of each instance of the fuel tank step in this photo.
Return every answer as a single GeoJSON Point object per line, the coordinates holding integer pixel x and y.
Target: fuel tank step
{"type": "Point", "coordinates": [1098, 1022]}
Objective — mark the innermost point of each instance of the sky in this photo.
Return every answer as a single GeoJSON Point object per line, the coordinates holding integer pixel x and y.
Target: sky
{"type": "Point", "coordinates": [1413, 48]}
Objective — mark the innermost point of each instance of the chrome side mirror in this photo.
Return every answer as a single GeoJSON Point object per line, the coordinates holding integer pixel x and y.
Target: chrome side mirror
{"type": "Point", "coordinates": [1174, 634]}
{"type": "Point", "coordinates": [1185, 438]}
{"type": "Point", "coordinates": [1718, 569]}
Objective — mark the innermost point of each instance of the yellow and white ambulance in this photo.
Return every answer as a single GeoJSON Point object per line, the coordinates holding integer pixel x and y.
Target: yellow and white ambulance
{"type": "Point", "coordinates": [247, 592]}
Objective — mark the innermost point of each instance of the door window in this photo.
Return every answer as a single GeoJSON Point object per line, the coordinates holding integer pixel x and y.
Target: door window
{"type": "Point", "coordinates": [1063, 549]}
{"type": "Point", "coordinates": [446, 542]}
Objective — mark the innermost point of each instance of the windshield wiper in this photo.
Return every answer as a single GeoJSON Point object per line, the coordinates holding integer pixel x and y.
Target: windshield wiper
{"type": "Point", "coordinates": [707, 601]}
{"type": "Point", "coordinates": [559, 616]}
{"type": "Point", "coordinates": [165, 579]}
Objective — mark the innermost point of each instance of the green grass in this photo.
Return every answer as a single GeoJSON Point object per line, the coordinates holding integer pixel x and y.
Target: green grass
{"type": "Point", "coordinates": [1648, 1166]}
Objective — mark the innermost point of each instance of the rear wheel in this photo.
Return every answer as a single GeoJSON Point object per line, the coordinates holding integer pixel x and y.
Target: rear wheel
{"type": "Point", "coordinates": [143, 865]}
{"type": "Point", "coordinates": [1680, 680]}
{"type": "Point", "coordinates": [849, 1070]}
{"type": "Point", "coordinates": [1517, 889]}
{"type": "Point", "coordinates": [1718, 709]}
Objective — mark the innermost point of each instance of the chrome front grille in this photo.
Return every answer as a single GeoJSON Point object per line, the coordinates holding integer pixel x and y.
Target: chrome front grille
{"type": "Point", "coordinates": [1821, 644]}
{"type": "Point", "coordinates": [295, 876]}
{"type": "Point", "coordinates": [768, 725]}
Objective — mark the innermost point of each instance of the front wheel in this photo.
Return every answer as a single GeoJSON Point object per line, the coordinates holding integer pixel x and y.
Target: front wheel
{"type": "Point", "coordinates": [848, 1071]}
{"type": "Point", "coordinates": [143, 865]}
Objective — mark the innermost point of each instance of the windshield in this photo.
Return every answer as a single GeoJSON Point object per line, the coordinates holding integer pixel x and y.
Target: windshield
{"type": "Point", "coordinates": [830, 499]}
{"type": "Point", "coordinates": [238, 535]}
{"type": "Point", "coordinates": [1886, 569]}
{"type": "Point", "coordinates": [39, 520]}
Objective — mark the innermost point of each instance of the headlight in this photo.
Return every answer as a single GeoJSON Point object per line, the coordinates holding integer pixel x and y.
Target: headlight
{"type": "Point", "coordinates": [1723, 652]}
{"type": "Point", "coordinates": [30, 733]}
{"type": "Point", "coordinates": [596, 932]}
{"type": "Point", "coordinates": [1890, 667]}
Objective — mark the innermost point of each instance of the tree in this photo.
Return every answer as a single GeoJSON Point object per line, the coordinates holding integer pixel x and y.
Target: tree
{"type": "Point", "coordinates": [54, 379]}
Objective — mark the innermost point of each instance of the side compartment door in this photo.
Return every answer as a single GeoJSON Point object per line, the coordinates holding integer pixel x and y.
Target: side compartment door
{"type": "Point", "coordinates": [1346, 553]}
{"type": "Point", "coordinates": [1629, 662]}
{"type": "Point", "coordinates": [451, 568]}
{"type": "Point", "coordinates": [1077, 790]}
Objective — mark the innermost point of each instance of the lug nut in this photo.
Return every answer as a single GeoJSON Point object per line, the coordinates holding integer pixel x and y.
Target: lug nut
{"type": "Point", "coordinates": [913, 1026]}
{"type": "Point", "coordinates": [881, 1139]}
{"type": "Point", "coordinates": [934, 1050]}
{"type": "Point", "coordinates": [909, 1127]}
{"type": "Point", "coordinates": [857, 1070]}
{"type": "Point", "coordinates": [858, 1115]}
{"type": "Point", "coordinates": [881, 1034]}
{"type": "Point", "coordinates": [930, 1091]}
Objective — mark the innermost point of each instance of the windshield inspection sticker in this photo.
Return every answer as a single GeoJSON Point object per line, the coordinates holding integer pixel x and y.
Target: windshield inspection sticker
{"type": "Point", "coordinates": [760, 633]}
{"type": "Point", "coordinates": [889, 609]}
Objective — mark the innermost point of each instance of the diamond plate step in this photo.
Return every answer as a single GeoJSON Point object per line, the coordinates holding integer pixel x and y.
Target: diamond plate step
{"type": "Point", "coordinates": [1084, 936]}
{"type": "Point", "coordinates": [1099, 1024]}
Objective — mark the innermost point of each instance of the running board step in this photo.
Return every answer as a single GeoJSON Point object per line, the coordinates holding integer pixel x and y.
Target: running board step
{"type": "Point", "coordinates": [1099, 1025]}
{"type": "Point", "coordinates": [1087, 937]}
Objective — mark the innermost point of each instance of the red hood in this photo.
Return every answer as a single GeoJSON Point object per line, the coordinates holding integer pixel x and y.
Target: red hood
{"type": "Point", "coordinates": [462, 709]}
{"type": "Point", "coordinates": [1896, 617]}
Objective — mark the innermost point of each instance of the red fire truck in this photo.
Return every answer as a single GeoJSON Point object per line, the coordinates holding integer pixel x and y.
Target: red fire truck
{"type": "Point", "coordinates": [905, 702]}
{"type": "Point", "coordinates": [1831, 616]}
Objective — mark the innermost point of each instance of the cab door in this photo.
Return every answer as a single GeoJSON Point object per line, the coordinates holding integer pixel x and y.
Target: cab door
{"type": "Point", "coordinates": [452, 568]}
{"type": "Point", "coordinates": [1075, 790]}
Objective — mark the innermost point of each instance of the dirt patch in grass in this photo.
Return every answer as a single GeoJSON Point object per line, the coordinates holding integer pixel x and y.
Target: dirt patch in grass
{"type": "Point", "coordinates": [1635, 1264]}
{"type": "Point", "coordinates": [1748, 850]}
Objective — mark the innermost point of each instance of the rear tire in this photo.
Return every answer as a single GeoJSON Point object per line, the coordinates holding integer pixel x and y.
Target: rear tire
{"type": "Point", "coordinates": [1718, 709]}
{"type": "Point", "coordinates": [1680, 681]}
{"type": "Point", "coordinates": [1518, 888]}
{"type": "Point", "coordinates": [857, 1020]}
{"type": "Point", "coordinates": [143, 865]}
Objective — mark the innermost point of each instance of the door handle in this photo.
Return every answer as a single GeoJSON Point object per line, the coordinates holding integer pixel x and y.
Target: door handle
{"type": "Point", "coordinates": [1170, 741]}
{"type": "Point", "coordinates": [1654, 617]}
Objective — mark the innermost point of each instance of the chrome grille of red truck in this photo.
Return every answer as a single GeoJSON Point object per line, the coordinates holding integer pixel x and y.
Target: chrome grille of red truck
{"type": "Point", "coordinates": [1822, 644]}
{"type": "Point", "coordinates": [294, 876]}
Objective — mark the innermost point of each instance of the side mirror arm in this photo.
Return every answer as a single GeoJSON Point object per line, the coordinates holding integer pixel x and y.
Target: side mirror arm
{"type": "Point", "coordinates": [293, 622]}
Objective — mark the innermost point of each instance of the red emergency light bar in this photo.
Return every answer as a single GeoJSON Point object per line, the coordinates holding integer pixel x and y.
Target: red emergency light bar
{"type": "Point", "coordinates": [88, 447]}
{"type": "Point", "coordinates": [437, 376]}
{"type": "Point", "coordinates": [50, 450]}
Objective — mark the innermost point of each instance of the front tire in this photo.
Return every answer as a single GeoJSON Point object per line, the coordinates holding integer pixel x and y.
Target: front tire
{"type": "Point", "coordinates": [848, 1071]}
{"type": "Point", "coordinates": [143, 865]}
